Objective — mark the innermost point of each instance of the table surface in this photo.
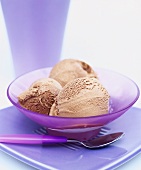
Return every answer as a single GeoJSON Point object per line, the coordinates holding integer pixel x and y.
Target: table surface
{"type": "Point", "coordinates": [132, 69]}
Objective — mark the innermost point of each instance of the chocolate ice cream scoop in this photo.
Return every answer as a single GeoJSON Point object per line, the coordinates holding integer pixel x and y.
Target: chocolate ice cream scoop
{"type": "Point", "coordinates": [81, 97]}
{"type": "Point", "coordinates": [69, 69]}
{"type": "Point", "coordinates": [40, 95]}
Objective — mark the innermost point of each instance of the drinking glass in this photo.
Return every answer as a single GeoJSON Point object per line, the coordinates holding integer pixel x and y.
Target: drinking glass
{"type": "Point", "coordinates": [35, 30]}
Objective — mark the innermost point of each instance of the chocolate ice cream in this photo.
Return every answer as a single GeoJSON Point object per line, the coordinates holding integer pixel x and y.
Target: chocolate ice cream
{"type": "Point", "coordinates": [69, 69]}
{"type": "Point", "coordinates": [40, 95]}
{"type": "Point", "coordinates": [81, 97]}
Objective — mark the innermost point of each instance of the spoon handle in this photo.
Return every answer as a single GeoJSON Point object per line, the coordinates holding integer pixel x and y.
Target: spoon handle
{"type": "Point", "coordinates": [31, 139]}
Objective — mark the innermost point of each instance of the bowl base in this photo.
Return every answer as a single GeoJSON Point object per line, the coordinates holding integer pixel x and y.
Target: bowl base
{"type": "Point", "coordinates": [83, 136]}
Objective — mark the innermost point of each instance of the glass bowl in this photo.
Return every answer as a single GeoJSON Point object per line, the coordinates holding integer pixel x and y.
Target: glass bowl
{"type": "Point", "coordinates": [123, 94]}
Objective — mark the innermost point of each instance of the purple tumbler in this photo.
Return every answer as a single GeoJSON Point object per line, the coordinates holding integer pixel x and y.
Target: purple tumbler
{"type": "Point", "coordinates": [35, 30]}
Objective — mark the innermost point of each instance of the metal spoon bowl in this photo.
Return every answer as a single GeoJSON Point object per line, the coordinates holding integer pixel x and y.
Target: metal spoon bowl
{"type": "Point", "coordinates": [100, 141]}
{"type": "Point", "coordinates": [46, 139]}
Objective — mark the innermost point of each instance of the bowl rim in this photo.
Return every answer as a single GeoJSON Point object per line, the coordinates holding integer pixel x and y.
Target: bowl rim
{"type": "Point", "coordinates": [71, 118]}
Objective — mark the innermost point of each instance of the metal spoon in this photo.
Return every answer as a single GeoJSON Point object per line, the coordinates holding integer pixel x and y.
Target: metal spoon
{"type": "Point", "coordinates": [46, 139]}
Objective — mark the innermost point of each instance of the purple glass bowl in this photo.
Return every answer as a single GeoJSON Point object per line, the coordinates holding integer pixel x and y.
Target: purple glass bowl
{"type": "Point", "coordinates": [123, 94]}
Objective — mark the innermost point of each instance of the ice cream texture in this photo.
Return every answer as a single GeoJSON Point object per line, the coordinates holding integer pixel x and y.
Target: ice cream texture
{"type": "Point", "coordinates": [81, 97]}
{"type": "Point", "coordinates": [40, 96]}
{"type": "Point", "coordinates": [72, 89]}
{"type": "Point", "coordinates": [69, 69]}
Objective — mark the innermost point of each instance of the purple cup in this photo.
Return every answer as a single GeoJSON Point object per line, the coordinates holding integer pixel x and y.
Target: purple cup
{"type": "Point", "coordinates": [35, 30]}
{"type": "Point", "coordinates": [123, 94]}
